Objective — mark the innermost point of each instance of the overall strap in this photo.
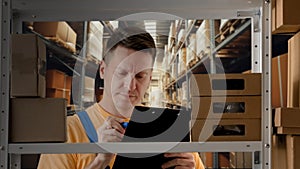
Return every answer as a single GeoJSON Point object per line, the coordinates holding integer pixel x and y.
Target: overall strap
{"type": "Point", "coordinates": [88, 126]}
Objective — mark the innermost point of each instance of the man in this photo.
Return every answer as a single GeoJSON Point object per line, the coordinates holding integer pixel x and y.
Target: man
{"type": "Point", "coordinates": [127, 72]}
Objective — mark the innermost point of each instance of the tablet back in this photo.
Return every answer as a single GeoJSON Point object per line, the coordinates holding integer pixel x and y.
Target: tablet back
{"type": "Point", "coordinates": [151, 124]}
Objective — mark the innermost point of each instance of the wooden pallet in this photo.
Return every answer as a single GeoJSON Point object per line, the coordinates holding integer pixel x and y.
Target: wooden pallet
{"type": "Point", "coordinates": [62, 43]}
{"type": "Point", "coordinates": [92, 59]}
{"type": "Point", "coordinates": [230, 28]}
{"type": "Point", "coordinates": [193, 62]}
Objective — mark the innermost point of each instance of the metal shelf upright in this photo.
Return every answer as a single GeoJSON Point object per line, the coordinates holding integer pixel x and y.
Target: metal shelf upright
{"type": "Point", "coordinates": [13, 12]}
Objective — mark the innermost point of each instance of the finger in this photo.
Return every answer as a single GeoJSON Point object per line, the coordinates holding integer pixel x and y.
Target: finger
{"type": "Point", "coordinates": [116, 125]}
{"type": "Point", "coordinates": [114, 122]}
{"type": "Point", "coordinates": [112, 135]}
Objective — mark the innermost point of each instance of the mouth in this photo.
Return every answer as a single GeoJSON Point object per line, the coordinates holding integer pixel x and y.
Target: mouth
{"type": "Point", "coordinates": [128, 95]}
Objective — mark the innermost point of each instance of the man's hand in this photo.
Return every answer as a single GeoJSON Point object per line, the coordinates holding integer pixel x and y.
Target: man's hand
{"type": "Point", "coordinates": [180, 161]}
{"type": "Point", "coordinates": [110, 131]}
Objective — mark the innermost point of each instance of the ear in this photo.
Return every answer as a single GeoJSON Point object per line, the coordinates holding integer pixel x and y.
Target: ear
{"type": "Point", "coordinates": [102, 69]}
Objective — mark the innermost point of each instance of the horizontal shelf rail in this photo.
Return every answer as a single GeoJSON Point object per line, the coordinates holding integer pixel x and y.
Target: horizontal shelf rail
{"type": "Point", "coordinates": [134, 147]}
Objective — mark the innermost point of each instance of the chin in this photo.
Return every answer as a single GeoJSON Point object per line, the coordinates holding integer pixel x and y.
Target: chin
{"type": "Point", "coordinates": [124, 107]}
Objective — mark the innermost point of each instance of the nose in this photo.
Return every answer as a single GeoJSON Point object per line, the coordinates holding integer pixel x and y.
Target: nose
{"type": "Point", "coordinates": [130, 83]}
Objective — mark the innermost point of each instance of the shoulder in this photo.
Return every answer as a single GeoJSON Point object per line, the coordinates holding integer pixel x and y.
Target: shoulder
{"type": "Point", "coordinates": [75, 130]}
{"type": "Point", "coordinates": [198, 161]}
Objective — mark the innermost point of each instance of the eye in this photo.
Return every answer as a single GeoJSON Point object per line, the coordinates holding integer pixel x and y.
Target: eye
{"type": "Point", "coordinates": [141, 75]}
{"type": "Point", "coordinates": [122, 73]}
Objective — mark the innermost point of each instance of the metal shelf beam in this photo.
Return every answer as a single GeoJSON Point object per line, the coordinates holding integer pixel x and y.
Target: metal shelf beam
{"type": "Point", "coordinates": [134, 147]}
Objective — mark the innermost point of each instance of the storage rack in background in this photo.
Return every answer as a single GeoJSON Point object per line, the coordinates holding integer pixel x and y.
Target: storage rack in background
{"type": "Point", "coordinates": [240, 39]}
{"type": "Point", "coordinates": [14, 12]}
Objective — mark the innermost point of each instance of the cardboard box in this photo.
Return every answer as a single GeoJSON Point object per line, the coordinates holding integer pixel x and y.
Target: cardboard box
{"type": "Point", "coordinates": [223, 160]}
{"type": "Point", "coordinates": [55, 79]}
{"type": "Point", "coordinates": [94, 46]}
{"type": "Point", "coordinates": [241, 160]}
{"type": "Point", "coordinates": [293, 71]}
{"type": "Point", "coordinates": [58, 30]}
{"type": "Point", "coordinates": [293, 151]}
{"type": "Point", "coordinates": [58, 80]}
{"type": "Point", "coordinates": [68, 82]}
{"type": "Point", "coordinates": [52, 29]}
{"type": "Point", "coordinates": [279, 81]}
{"type": "Point", "coordinates": [59, 93]}
{"type": "Point", "coordinates": [38, 120]}
{"type": "Point", "coordinates": [28, 66]}
{"type": "Point", "coordinates": [232, 107]}
{"type": "Point", "coordinates": [225, 84]}
{"type": "Point", "coordinates": [226, 130]}
{"type": "Point", "coordinates": [288, 130]}
{"type": "Point", "coordinates": [203, 39]}
{"type": "Point", "coordinates": [286, 16]}
{"type": "Point", "coordinates": [279, 159]}
{"type": "Point", "coordinates": [287, 117]}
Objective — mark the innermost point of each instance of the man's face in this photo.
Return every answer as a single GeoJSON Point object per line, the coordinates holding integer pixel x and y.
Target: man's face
{"type": "Point", "coordinates": [126, 78]}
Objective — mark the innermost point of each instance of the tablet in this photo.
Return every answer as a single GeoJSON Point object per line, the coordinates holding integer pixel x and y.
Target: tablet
{"type": "Point", "coordinates": [152, 124]}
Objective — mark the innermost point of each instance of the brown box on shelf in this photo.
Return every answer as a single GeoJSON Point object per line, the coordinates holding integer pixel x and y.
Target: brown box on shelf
{"type": "Point", "coordinates": [68, 82]}
{"type": "Point", "coordinates": [59, 93]}
{"type": "Point", "coordinates": [279, 159]}
{"type": "Point", "coordinates": [223, 160]}
{"type": "Point", "coordinates": [287, 117]}
{"type": "Point", "coordinates": [286, 16]}
{"type": "Point", "coordinates": [71, 37]}
{"type": "Point", "coordinates": [288, 130]}
{"type": "Point", "coordinates": [226, 130]}
{"type": "Point", "coordinates": [293, 71]}
{"type": "Point", "coordinates": [293, 151]}
{"type": "Point", "coordinates": [225, 84]}
{"type": "Point", "coordinates": [38, 120]}
{"type": "Point", "coordinates": [241, 160]}
{"type": "Point", "coordinates": [203, 39]}
{"type": "Point", "coordinates": [59, 31]}
{"type": "Point", "coordinates": [232, 107]}
{"type": "Point", "coordinates": [56, 79]}
{"type": "Point", "coordinates": [52, 29]}
{"type": "Point", "coordinates": [28, 66]}
{"type": "Point", "coordinates": [279, 81]}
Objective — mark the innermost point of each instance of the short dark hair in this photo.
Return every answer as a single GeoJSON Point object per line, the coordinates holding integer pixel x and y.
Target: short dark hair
{"type": "Point", "coordinates": [132, 38]}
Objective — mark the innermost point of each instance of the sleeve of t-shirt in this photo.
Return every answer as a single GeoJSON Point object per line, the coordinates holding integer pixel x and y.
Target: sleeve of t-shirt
{"type": "Point", "coordinates": [198, 161]}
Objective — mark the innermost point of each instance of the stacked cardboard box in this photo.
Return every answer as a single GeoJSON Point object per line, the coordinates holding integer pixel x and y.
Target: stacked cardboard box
{"type": "Point", "coordinates": [285, 16]}
{"type": "Point", "coordinates": [279, 81]}
{"type": "Point", "coordinates": [203, 39]}
{"type": "Point", "coordinates": [94, 44]}
{"type": "Point", "coordinates": [240, 160]}
{"type": "Point", "coordinates": [293, 71]}
{"type": "Point", "coordinates": [33, 118]}
{"type": "Point", "coordinates": [58, 85]}
{"type": "Point", "coordinates": [226, 107]}
{"type": "Point", "coordinates": [286, 120]}
{"type": "Point", "coordinates": [28, 66]}
{"type": "Point", "coordinates": [286, 139]}
{"type": "Point", "coordinates": [59, 32]}
{"type": "Point", "coordinates": [89, 91]}
{"type": "Point", "coordinates": [38, 120]}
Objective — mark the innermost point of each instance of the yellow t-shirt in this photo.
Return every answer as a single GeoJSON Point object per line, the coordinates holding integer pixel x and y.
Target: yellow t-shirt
{"type": "Point", "coordinates": [76, 134]}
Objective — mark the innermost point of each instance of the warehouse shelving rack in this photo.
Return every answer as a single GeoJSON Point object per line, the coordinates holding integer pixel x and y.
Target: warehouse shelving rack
{"type": "Point", "coordinates": [13, 12]}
